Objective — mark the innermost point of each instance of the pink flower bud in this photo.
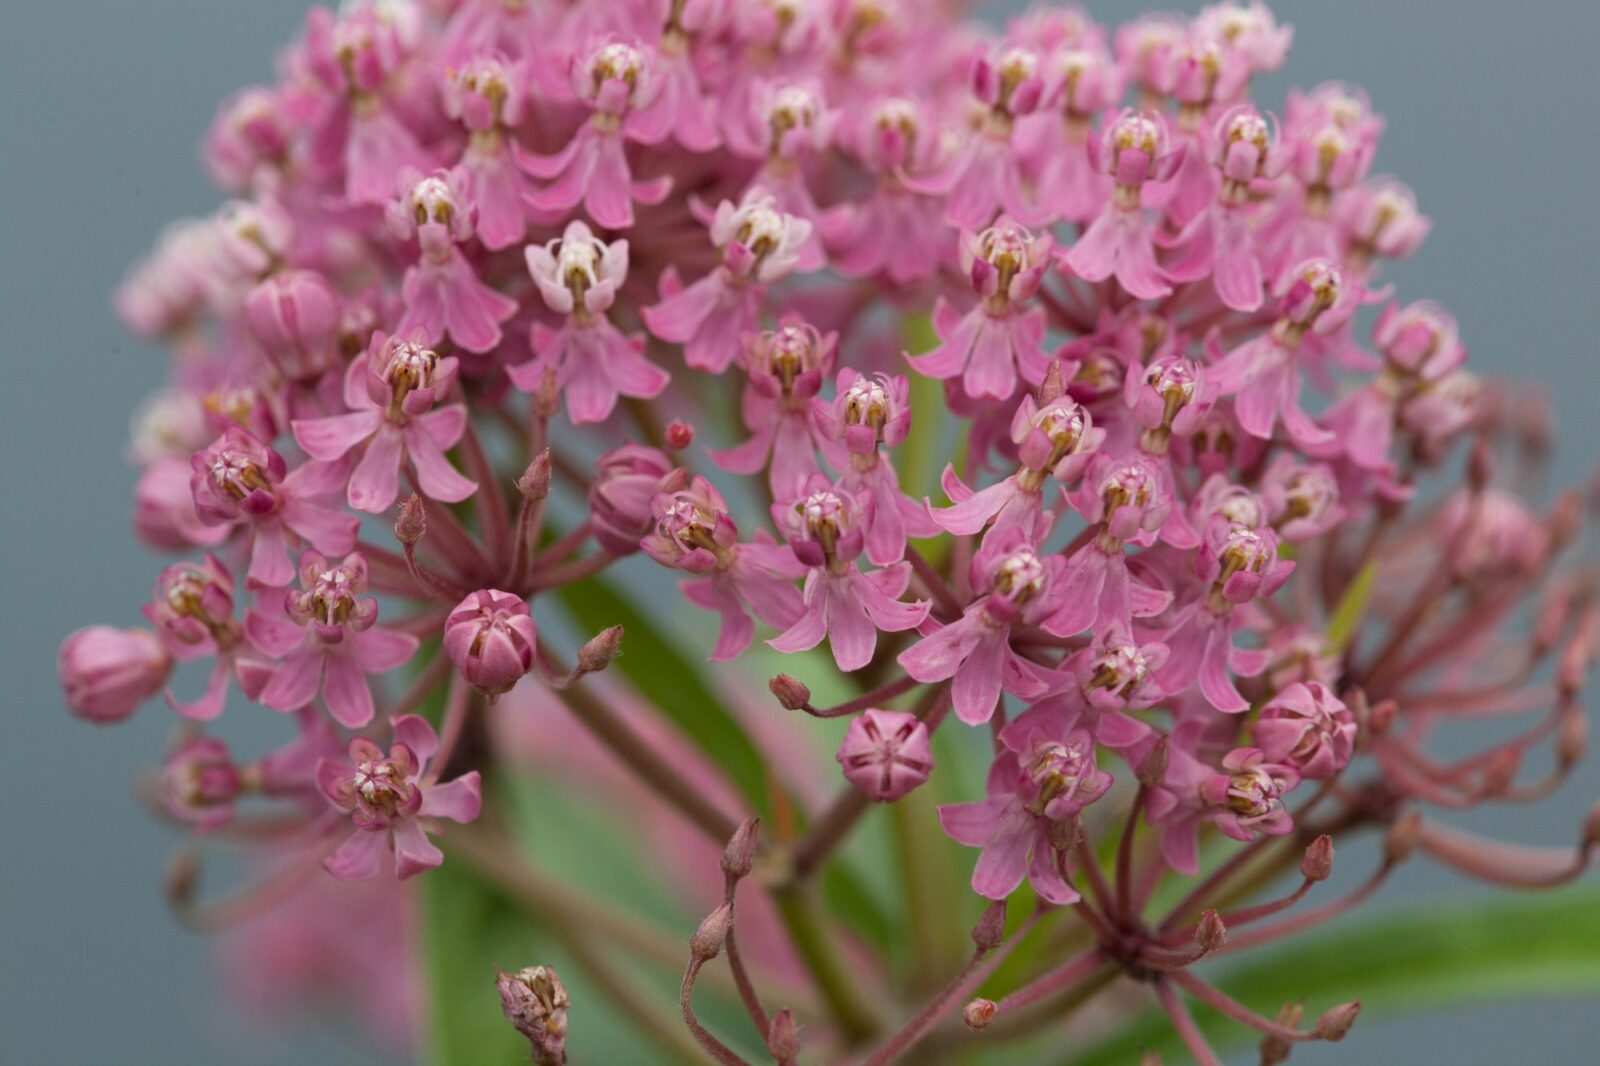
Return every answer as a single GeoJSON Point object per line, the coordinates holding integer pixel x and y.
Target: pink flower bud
{"type": "Point", "coordinates": [1210, 933]}
{"type": "Point", "coordinates": [626, 480]}
{"type": "Point", "coordinates": [534, 484]}
{"type": "Point", "coordinates": [107, 672]}
{"type": "Point", "coordinates": [491, 638]}
{"type": "Point", "coordinates": [1317, 863]}
{"type": "Point", "coordinates": [979, 1013]}
{"type": "Point", "coordinates": [1335, 1022]}
{"type": "Point", "coordinates": [295, 316]}
{"type": "Point", "coordinates": [679, 435]}
{"type": "Point", "coordinates": [707, 941]}
{"type": "Point", "coordinates": [199, 782]}
{"type": "Point", "coordinates": [738, 856]}
{"type": "Point", "coordinates": [783, 1039]}
{"type": "Point", "coordinates": [886, 754]}
{"type": "Point", "coordinates": [535, 1002]}
{"type": "Point", "coordinates": [792, 693]}
{"type": "Point", "coordinates": [598, 651]}
{"type": "Point", "coordinates": [1401, 840]}
{"type": "Point", "coordinates": [412, 525]}
{"type": "Point", "coordinates": [991, 928]}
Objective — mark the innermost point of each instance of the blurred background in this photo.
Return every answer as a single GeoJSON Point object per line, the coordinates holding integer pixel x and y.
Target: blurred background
{"type": "Point", "coordinates": [1489, 111]}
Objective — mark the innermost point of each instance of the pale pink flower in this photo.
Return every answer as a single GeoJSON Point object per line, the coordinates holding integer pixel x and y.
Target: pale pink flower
{"type": "Point", "coordinates": [192, 610]}
{"type": "Point", "coordinates": [488, 96]}
{"type": "Point", "coordinates": [785, 369]}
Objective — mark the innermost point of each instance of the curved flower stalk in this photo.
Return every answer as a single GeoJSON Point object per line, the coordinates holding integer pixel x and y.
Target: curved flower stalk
{"type": "Point", "coordinates": [1218, 579]}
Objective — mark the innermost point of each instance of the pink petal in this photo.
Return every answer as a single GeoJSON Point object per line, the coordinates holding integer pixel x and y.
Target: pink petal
{"type": "Point", "coordinates": [375, 482]}
{"type": "Point", "coordinates": [359, 858]}
{"type": "Point", "coordinates": [413, 851]}
{"type": "Point", "coordinates": [330, 438]}
{"type": "Point", "coordinates": [345, 689]}
{"type": "Point", "coordinates": [459, 800]}
{"type": "Point", "coordinates": [294, 682]}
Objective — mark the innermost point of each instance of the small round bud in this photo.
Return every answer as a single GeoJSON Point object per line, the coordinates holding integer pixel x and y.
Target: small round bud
{"type": "Point", "coordinates": [1210, 933]}
{"type": "Point", "coordinates": [107, 672]}
{"type": "Point", "coordinates": [412, 525]}
{"type": "Point", "coordinates": [991, 928]}
{"type": "Point", "coordinates": [978, 1014]}
{"type": "Point", "coordinates": [679, 435]}
{"type": "Point", "coordinates": [295, 316]}
{"type": "Point", "coordinates": [886, 753]}
{"type": "Point", "coordinates": [791, 693]}
{"type": "Point", "coordinates": [598, 651]}
{"type": "Point", "coordinates": [535, 1002]}
{"type": "Point", "coordinates": [1317, 863]}
{"type": "Point", "coordinates": [491, 638]}
{"type": "Point", "coordinates": [1335, 1022]}
{"type": "Point", "coordinates": [783, 1038]}
{"type": "Point", "coordinates": [534, 484]}
{"type": "Point", "coordinates": [1402, 838]}
{"type": "Point", "coordinates": [706, 944]}
{"type": "Point", "coordinates": [739, 855]}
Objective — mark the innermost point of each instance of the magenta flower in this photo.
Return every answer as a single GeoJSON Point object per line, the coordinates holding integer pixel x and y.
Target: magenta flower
{"type": "Point", "coordinates": [199, 783]}
{"type": "Point", "coordinates": [786, 368]}
{"type": "Point", "coordinates": [995, 342]}
{"type": "Point", "coordinates": [591, 361]}
{"type": "Point", "coordinates": [1244, 798]}
{"type": "Point", "coordinates": [1109, 678]}
{"type": "Point", "coordinates": [867, 416]}
{"type": "Point", "coordinates": [443, 295]}
{"type": "Point", "coordinates": [294, 316]}
{"type": "Point", "coordinates": [1034, 791]}
{"type": "Point", "coordinates": [107, 672]}
{"type": "Point", "coordinates": [1013, 585]}
{"type": "Point", "coordinates": [488, 96]}
{"type": "Point", "coordinates": [842, 603]}
{"type": "Point", "coordinates": [1133, 149]}
{"type": "Point", "coordinates": [616, 82]}
{"type": "Point", "coordinates": [491, 639]}
{"type": "Point", "coordinates": [393, 802]}
{"type": "Point", "coordinates": [886, 753]}
{"type": "Point", "coordinates": [240, 482]}
{"type": "Point", "coordinates": [693, 532]}
{"type": "Point", "coordinates": [325, 636]}
{"type": "Point", "coordinates": [392, 390]}
{"type": "Point", "coordinates": [759, 244]}
{"type": "Point", "coordinates": [1300, 500]}
{"type": "Point", "coordinates": [1307, 728]}
{"type": "Point", "coordinates": [192, 610]}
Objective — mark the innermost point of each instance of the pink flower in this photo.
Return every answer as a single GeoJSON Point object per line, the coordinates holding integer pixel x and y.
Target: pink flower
{"type": "Point", "coordinates": [841, 603]}
{"type": "Point", "coordinates": [1243, 799]}
{"type": "Point", "coordinates": [1085, 80]}
{"type": "Point", "coordinates": [1133, 149]}
{"type": "Point", "coordinates": [1307, 728]}
{"type": "Point", "coordinates": [393, 801]}
{"type": "Point", "coordinates": [592, 361]}
{"type": "Point", "coordinates": [391, 390]}
{"type": "Point", "coordinates": [886, 754]}
{"type": "Point", "coordinates": [1112, 676]}
{"type": "Point", "coordinates": [759, 245]}
{"type": "Point", "coordinates": [616, 81]}
{"type": "Point", "coordinates": [200, 781]}
{"type": "Point", "coordinates": [239, 480]}
{"type": "Point", "coordinates": [325, 636]}
{"type": "Point", "coordinates": [1013, 584]}
{"type": "Point", "coordinates": [1168, 396]}
{"type": "Point", "coordinates": [786, 368]}
{"type": "Point", "coordinates": [996, 341]}
{"type": "Point", "coordinates": [1301, 499]}
{"type": "Point", "coordinates": [106, 673]}
{"type": "Point", "coordinates": [192, 610]}
{"type": "Point", "coordinates": [443, 295]}
{"type": "Point", "coordinates": [693, 532]}
{"type": "Point", "coordinates": [488, 95]}
{"type": "Point", "coordinates": [868, 415]}
{"type": "Point", "coordinates": [491, 639]}
{"type": "Point", "coordinates": [1034, 791]}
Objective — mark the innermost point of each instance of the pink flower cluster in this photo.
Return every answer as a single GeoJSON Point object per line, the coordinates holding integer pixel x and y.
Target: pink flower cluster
{"type": "Point", "coordinates": [1181, 568]}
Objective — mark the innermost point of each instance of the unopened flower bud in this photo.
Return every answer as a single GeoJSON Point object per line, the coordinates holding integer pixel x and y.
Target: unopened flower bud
{"type": "Point", "coordinates": [1317, 863]}
{"type": "Point", "coordinates": [547, 395]}
{"type": "Point", "coordinates": [1054, 385]}
{"type": "Point", "coordinates": [679, 435]}
{"type": "Point", "coordinates": [107, 672]}
{"type": "Point", "coordinates": [1275, 1049]}
{"type": "Point", "coordinates": [1402, 838]}
{"type": "Point", "coordinates": [991, 928]}
{"type": "Point", "coordinates": [491, 638]}
{"type": "Point", "coordinates": [295, 317]}
{"type": "Point", "coordinates": [598, 651]}
{"type": "Point", "coordinates": [1480, 465]}
{"type": "Point", "coordinates": [1335, 1022]}
{"type": "Point", "coordinates": [886, 753]}
{"type": "Point", "coordinates": [412, 525]}
{"type": "Point", "coordinates": [534, 484]}
{"type": "Point", "coordinates": [1210, 933]}
{"type": "Point", "coordinates": [791, 693]}
{"type": "Point", "coordinates": [978, 1014]}
{"type": "Point", "coordinates": [535, 1002]}
{"type": "Point", "coordinates": [739, 855]}
{"type": "Point", "coordinates": [706, 944]}
{"type": "Point", "coordinates": [783, 1039]}
{"type": "Point", "coordinates": [1152, 769]}
{"type": "Point", "coordinates": [1380, 718]}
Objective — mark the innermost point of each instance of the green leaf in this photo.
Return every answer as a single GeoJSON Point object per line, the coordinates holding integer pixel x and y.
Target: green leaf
{"type": "Point", "coordinates": [1405, 961]}
{"type": "Point", "coordinates": [1352, 606]}
{"type": "Point", "coordinates": [675, 683]}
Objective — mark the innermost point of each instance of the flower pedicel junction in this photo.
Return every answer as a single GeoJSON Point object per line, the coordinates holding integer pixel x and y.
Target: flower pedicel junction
{"type": "Point", "coordinates": [1019, 370]}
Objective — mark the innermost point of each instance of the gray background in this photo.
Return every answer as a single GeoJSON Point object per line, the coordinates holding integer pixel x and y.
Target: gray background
{"type": "Point", "coordinates": [1491, 119]}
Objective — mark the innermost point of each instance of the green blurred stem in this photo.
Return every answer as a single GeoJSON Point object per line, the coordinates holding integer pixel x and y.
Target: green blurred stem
{"type": "Point", "coordinates": [797, 907]}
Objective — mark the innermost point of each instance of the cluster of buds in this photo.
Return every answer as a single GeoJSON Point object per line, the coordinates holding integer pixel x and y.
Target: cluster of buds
{"type": "Point", "coordinates": [596, 302]}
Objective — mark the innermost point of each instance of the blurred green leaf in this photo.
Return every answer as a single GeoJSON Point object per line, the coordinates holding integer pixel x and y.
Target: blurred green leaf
{"type": "Point", "coordinates": [1423, 957]}
{"type": "Point", "coordinates": [1352, 606]}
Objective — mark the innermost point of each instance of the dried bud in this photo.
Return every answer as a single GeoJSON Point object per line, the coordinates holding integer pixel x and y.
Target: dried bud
{"type": "Point", "coordinates": [1152, 769]}
{"type": "Point", "coordinates": [598, 651]}
{"type": "Point", "coordinates": [978, 1014]}
{"type": "Point", "coordinates": [1053, 386]}
{"type": "Point", "coordinates": [534, 484]}
{"type": "Point", "coordinates": [679, 435]}
{"type": "Point", "coordinates": [991, 928]}
{"type": "Point", "coordinates": [706, 944]}
{"type": "Point", "coordinates": [783, 1039]}
{"type": "Point", "coordinates": [739, 855]}
{"type": "Point", "coordinates": [1335, 1022]}
{"type": "Point", "coordinates": [1210, 933]}
{"type": "Point", "coordinates": [535, 1001]}
{"type": "Point", "coordinates": [1402, 838]}
{"type": "Point", "coordinates": [792, 694]}
{"type": "Point", "coordinates": [1275, 1049]}
{"type": "Point", "coordinates": [1572, 738]}
{"type": "Point", "coordinates": [1317, 863]}
{"type": "Point", "coordinates": [412, 525]}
